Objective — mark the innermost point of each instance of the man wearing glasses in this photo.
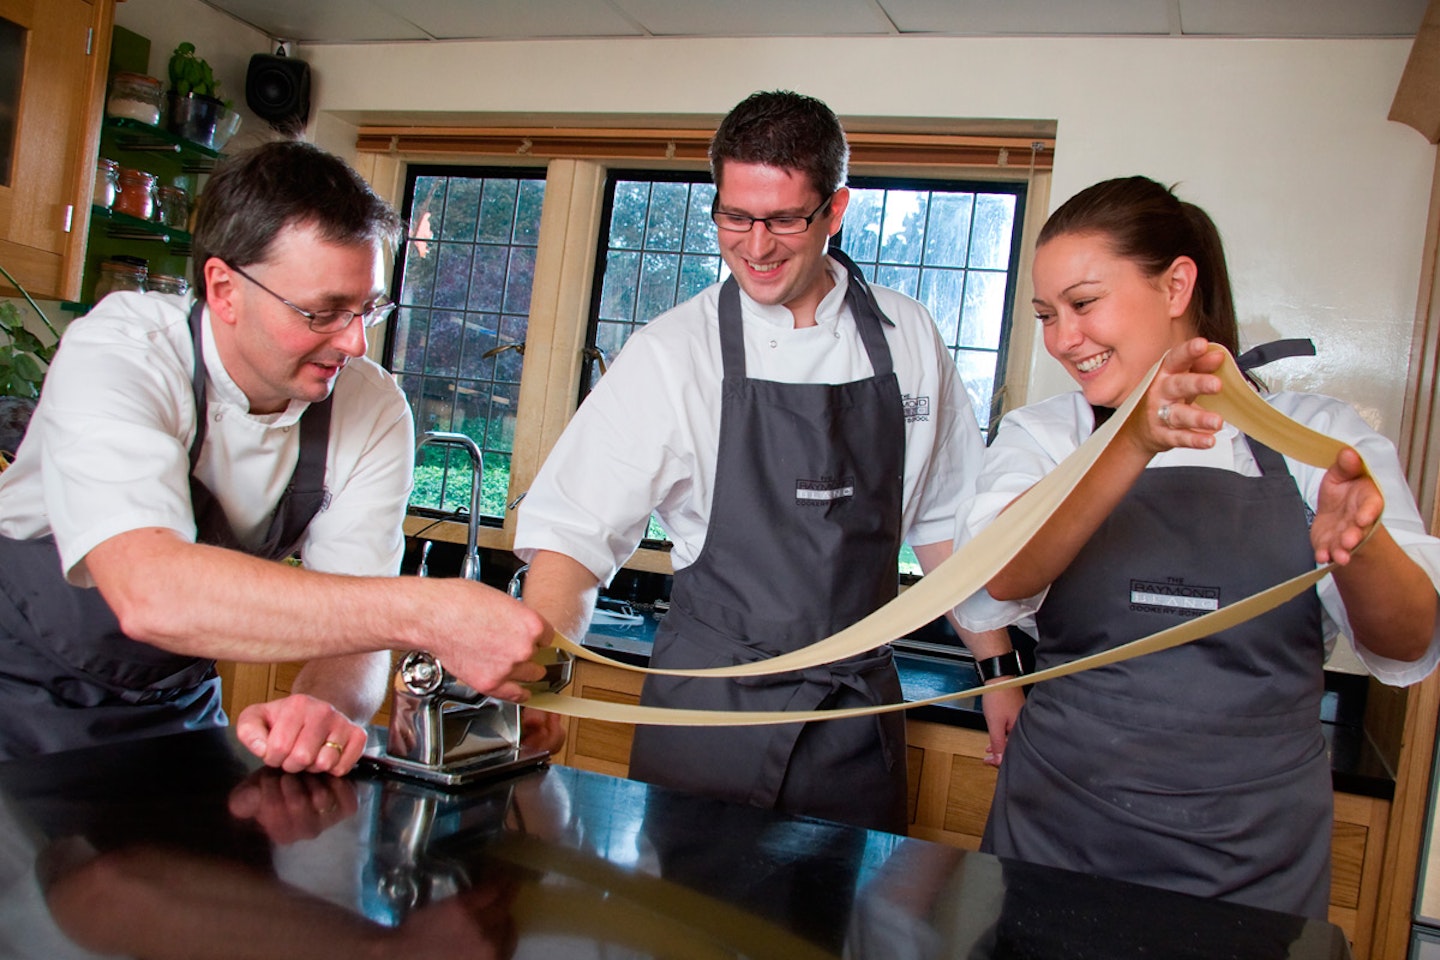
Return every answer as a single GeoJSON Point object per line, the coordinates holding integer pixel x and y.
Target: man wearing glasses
{"type": "Point", "coordinates": [179, 450]}
{"type": "Point", "coordinates": [790, 426]}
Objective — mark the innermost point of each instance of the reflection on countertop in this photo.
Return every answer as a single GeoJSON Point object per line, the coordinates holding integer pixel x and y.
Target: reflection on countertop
{"type": "Point", "coordinates": [178, 847]}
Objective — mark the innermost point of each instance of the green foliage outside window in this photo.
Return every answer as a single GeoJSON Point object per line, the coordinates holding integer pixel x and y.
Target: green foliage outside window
{"type": "Point", "coordinates": [431, 483]}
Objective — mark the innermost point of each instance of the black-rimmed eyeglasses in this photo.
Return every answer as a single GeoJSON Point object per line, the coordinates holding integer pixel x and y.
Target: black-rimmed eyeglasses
{"type": "Point", "coordinates": [329, 321]}
{"type": "Point", "coordinates": [780, 226]}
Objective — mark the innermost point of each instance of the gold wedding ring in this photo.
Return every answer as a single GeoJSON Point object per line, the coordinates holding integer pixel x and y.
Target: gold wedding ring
{"type": "Point", "coordinates": [338, 746]}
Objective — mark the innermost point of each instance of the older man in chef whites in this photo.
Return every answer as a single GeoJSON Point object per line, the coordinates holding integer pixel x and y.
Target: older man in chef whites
{"type": "Point", "coordinates": [180, 450]}
{"type": "Point", "coordinates": [786, 495]}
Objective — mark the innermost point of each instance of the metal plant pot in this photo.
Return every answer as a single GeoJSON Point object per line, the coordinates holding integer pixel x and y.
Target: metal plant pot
{"type": "Point", "coordinates": [194, 116]}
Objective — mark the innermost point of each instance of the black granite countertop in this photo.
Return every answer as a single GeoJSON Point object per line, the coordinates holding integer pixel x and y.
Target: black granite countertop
{"type": "Point", "coordinates": [928, 669]}
{"type": "Point", "coordinates": [178, 847]}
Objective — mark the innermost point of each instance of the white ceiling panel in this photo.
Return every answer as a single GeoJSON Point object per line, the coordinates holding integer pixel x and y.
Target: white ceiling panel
{"type": "Point", "coordinates": [344, 21]}
{"type": "Point", "coordinates": [758, 18]}
{"type": "Point", "coordinates": [514, 19]}
{"type": "Point", "coordinates": [1034, 17]}
{"type": "Point", "coordinates": [1302, 18]}
{"type": "Point", "coordinates": [322, 21]}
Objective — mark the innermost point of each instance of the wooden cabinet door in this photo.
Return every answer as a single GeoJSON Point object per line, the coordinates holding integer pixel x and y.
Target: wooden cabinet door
{"type": "Point", "coordinates": [63, 49]}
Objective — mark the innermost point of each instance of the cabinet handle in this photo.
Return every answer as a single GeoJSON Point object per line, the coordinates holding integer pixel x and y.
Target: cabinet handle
{"type": "Point", "coordinates": [69, 217]}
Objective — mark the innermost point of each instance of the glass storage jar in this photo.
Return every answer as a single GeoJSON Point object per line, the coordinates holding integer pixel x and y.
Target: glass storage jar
{"type": "Point", "coordinates": [165, 283]}
{"type": "Point", "coordinates": [134, 96]}
{"type": "Point", "coordinates": [107, 182]}
{"type": "Point", "coordinates": [137, 193]}
{"type": "Point", "coordinates": [174, 207]}
{"type": "Point", "coordinates": [121, 273]}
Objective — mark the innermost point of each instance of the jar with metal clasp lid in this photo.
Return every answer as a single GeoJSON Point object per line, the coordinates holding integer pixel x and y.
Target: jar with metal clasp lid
{"type": "Point", "coordinates": [165, 283]}
{"type": "Point", "coordinates": [121, 273]}
{"type": "Point", "coordinates": [174, 205]}
{"type": "Point", "coordinates": [107, 182]}
{"type": "Point", "coordinates": [137, 193]}
{"type": "Point", "coordinates": [134, 96]}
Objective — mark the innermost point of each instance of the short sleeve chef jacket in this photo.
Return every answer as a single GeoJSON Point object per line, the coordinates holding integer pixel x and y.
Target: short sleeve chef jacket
{"type": "Point", "coordinates": [107, 450]}
{"type": "Point", "coordinates": [1034, 439]}
{"type": "Point", "coordinates": [645, 438]}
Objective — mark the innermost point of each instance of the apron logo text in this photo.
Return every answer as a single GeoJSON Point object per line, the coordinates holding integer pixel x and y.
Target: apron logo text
{"type": "Point", "coordinates": [916, 408]}
{"type": "Point", "coordinates": [816, 493]}
{"type": "Point", "coordinates": [1173, 597]}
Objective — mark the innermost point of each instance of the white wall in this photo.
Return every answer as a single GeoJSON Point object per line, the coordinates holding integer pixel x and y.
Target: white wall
{"type": "Point", "coordinates": [1321, 200]}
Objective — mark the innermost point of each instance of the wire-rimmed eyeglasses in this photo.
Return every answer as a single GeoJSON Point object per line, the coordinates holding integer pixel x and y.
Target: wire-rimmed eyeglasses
{"type": "Point", "coordinates": [329, 321]}
{"type": "Point", "coordinates": [780, 226]}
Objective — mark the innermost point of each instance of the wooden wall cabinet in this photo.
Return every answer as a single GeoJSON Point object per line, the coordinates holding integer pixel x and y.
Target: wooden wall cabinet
{"type": "Point", "coordinates": [45, 193]}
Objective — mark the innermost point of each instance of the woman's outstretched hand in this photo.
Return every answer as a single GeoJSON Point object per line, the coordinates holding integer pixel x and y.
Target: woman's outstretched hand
{"type": "Point", "coordinates": [1348, 505]}
{"type": "Point", "coordinates": [1168, 417]}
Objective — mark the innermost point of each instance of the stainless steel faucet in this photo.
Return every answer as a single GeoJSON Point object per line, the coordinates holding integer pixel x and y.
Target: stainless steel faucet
{"type": "Point", "coordinates": [517, 582]}
{"type": "Point", "coordinates": [443, 731]}
{"type": "Point", "coordinates": [470, 567]}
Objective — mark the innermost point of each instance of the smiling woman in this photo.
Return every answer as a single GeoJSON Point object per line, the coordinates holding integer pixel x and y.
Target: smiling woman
{"type": "Point", "coordinates": [1160, 768]}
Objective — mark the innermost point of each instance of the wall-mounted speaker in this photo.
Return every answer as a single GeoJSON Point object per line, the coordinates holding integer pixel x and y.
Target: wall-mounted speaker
{"type": "Point", "coordinates": [277, 90]}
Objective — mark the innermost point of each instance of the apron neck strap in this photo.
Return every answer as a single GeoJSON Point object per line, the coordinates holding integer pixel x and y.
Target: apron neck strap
{"type": "Point", "coordinates": [197, 382]}
{"type": "Point", "coordinates": [304, 495]}
{"type": "Point", "coordinates": [1275, 350]}
{"type": "Point", "coordinates": [870, 321]}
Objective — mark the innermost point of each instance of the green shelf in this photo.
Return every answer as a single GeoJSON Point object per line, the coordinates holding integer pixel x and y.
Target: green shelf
{"type": "Point", "coordinates": [132, 136]}
{"type": "Point", "coordinates": [174, 161]}
{"type": "Point", "coordinates": [122, 226]}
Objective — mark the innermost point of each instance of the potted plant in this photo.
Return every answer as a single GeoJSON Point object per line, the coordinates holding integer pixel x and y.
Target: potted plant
{"type": "Point", "coordinates": [24, 359]}
{"type": "Point", "coordinates": [194, 107]}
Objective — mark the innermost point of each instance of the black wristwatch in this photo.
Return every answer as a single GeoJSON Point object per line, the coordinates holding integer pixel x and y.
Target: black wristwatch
{"type": "Point", "coordinates": [1006, 665]}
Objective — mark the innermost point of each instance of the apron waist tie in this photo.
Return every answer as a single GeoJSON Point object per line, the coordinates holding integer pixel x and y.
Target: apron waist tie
{"type": "Point", "coordinates": [815, 685]}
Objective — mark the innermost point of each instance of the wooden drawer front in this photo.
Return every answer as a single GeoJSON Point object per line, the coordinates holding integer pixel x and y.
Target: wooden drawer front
{"type": "Point", "coordinates": [967, 801]}
{"type": "Point", "coordinates": [950, 786]}
{"type": "Point", "coordinates": [1347, 861]}
{"type": "Point", "coordinates": [600, 739]}
{"type": "Point", "coordinates": [600, 745]}
{"type": "Point", "coordinates": [1357, 846]}
{"type": "Point", "coordinates": [285, 674]}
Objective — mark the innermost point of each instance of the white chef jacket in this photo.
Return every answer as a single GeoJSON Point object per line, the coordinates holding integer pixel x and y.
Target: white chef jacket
{"type": "Point", "coordinates": [1032, 440]}
{"type": "Point", "coordinates": [107, 450]}
{"type": "Point", "coordinates": [645, 438]}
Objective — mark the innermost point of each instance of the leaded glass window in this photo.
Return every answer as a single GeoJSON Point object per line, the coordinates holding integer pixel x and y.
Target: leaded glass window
{"type": "Point", "coordinates": [457, 342]}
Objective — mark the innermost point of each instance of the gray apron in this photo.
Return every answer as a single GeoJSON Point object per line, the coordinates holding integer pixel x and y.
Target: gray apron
{"type": "Point", "coordinates": [803, 540]}
{"type": "Point", "coordinates": [69, 677]}
{"type": "Point", "coordinates": [1203, 768]}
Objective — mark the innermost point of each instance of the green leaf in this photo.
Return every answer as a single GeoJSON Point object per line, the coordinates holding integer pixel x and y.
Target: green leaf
{"type": "Point", "coordinates": [24, 340]}
{"type": "Point", "coordinates": [27, 367]}
{"type": "Point", "coordinates": [191, 74]}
